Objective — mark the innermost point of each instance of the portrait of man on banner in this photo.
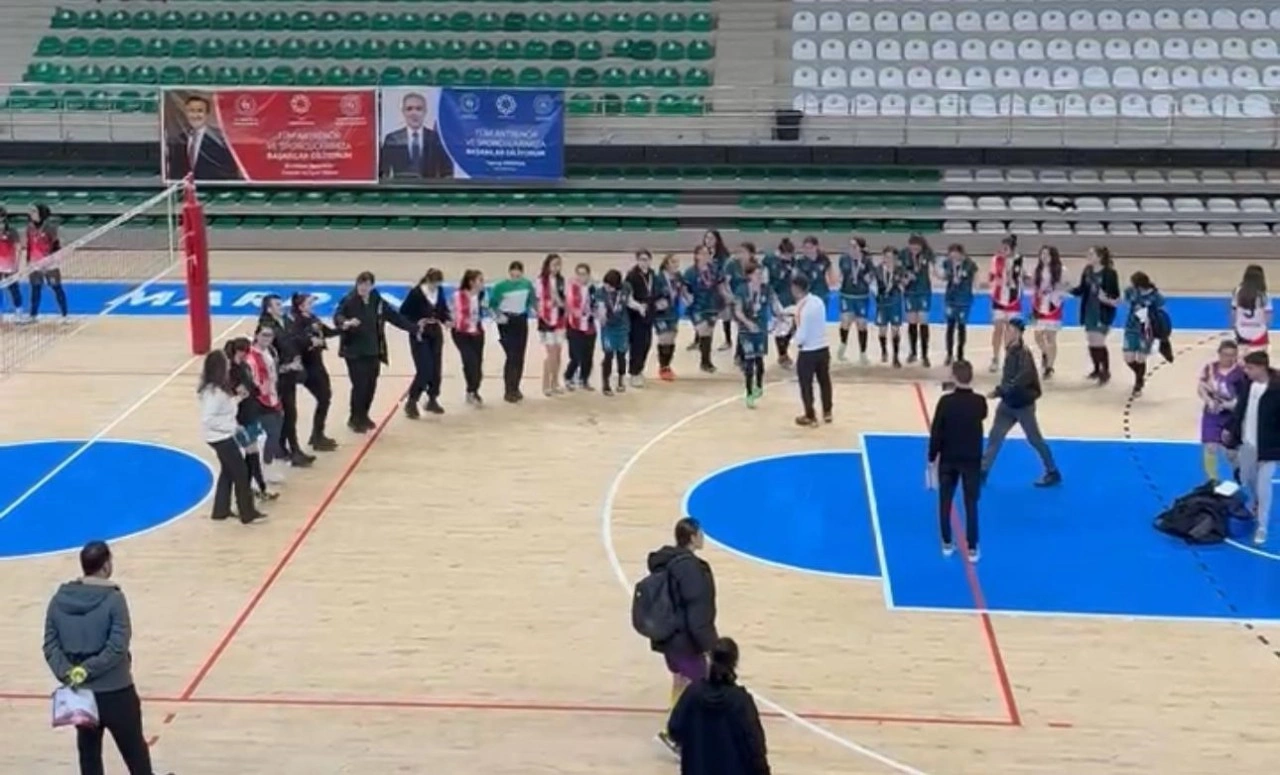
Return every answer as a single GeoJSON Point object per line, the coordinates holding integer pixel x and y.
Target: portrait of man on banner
{"type": "Point", "coordinates": [193, 141]}
{"type": "Point", "coordinates": [413, 149]}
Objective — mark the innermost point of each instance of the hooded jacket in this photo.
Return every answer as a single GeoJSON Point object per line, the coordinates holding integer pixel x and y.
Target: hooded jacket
{"type": "Point", "coordinates": [87, 624]}
{"type": "Point", "coordinates": [696, 589]}
{"type": "Point", "coordinates": [718, 730]}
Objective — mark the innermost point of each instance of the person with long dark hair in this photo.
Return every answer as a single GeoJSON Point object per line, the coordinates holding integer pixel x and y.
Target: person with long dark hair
{"type": "Point", "coordinates": [1218, 389]}
{"type": "Point", "coordinates": [426, 307]}
{"type": "Point", "coordinates": [10, 249]}
{"type": "Point", "coordinates": [1099, 292]}
{"type": "Point", "coordinates": [958, 272]}
{"type": "Point", "coordinates": [857, 272]}
{"type": "Point", "coordinates": [613, 307]}
{"type": "Point", "coordinates": [640, 285]}
{"type": "Point", "coordinates": [753, 306]}
{"type": "Point", "coordinates": [1143, 299]}
{"type": "Point", "coordinates": [42, 243]}
{"type": "Point", "coordinates": [1048, 294]}
{"type": "Point", "coordinates": [668, 289]}
{"type": "Point", "coordinates": [918, 260]}
{"type": "Point", "coordinates": [891, 279]}
{"type": "Point", "coordinates": [1005, 280]}
{"type": "Point", "coordinates": [580, 328]}
{"type": "Point", "coordinates": [1251, 310]}
{"type": "Point", "coordinates": [718, 254]}
{"type": "Point", "coordinates": [264, 366]}
{"type": "Point", "coordinates": [715, 723]}
{"type": "Point", "coordinates": [311, 334]}
{"type": "Point", "coordinates": [248, 415]}
{"type": "Point", "coordinates": [220, 399]}
{"type": "Point", "coordinates": [289, 372]}
{"type": "Point", "coordinates": [361, 317]}
{"type": "Point", "coordinates": [467, 314]}
{"type": "Point", "coordinates": [781, 266]}
{"type": "Point", "coordinates": [511, 300]}
{"type": "Point", "coordinates": [550, 292]}
{"type": "Point", "coordinates": [702, 296]}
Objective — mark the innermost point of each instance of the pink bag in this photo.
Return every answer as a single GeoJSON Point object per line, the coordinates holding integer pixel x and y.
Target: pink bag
{"type": "Point", "coordinates": [74, 708]}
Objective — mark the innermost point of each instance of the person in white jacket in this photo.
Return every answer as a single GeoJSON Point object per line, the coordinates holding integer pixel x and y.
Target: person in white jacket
{"type": "Point", "coordinates": [218, 404]}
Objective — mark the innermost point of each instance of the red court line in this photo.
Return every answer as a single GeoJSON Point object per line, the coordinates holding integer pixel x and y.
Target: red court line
{"type": "Point", "coordinates": [979, 599]}
{"type": "Point", "coordinates": [287, 557]}
{"type": "Point", "coordinates": [522, 707]}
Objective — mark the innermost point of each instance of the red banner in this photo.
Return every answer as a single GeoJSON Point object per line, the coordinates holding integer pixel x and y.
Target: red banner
{"type": "Point", "coordinates": [272, 135]}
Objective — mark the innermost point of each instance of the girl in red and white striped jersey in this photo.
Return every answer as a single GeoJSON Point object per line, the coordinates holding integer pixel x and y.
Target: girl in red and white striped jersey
{"type": "Point", "coordinates": [265, 369]}
{"type": "Point", "coordinates": [580, 328]}
{"type": "Point", "coordinates": [10, 247]}
{"type": "Point", "coordinates": [1049, 295]}
{"type": "Point", "coordinates": [1005, 280]}
{"type": "Point", "coordinates": [42, 243]}
{"type": "Point", "coordinates": [551, 325]}
{"type": "Point", "coordinates": [1251, 310]}
{"type": "Point", "coordinates": [467, 308]}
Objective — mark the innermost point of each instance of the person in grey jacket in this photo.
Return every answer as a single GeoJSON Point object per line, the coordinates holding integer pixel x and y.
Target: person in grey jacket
{"type": "Point", "coordinates": [1018, 392]}
{"type": "Point", "coordinates": [86, 644]}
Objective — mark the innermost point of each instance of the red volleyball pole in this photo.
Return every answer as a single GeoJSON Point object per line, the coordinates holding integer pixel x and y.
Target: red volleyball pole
{"type": "Point", "coordinates": [195, 247]}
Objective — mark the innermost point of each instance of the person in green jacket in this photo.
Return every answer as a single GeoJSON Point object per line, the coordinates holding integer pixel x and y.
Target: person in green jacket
{"type": "Point", "coordinates": [511, 301]}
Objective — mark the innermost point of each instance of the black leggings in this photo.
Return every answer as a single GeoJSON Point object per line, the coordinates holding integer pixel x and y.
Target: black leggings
{"type": "Point", "coordinates": [54, 278]}
{"type": "Point", "coordinates": [15, 293]}
{"type": "Point", "coordinates": [514, 337]}
{"type": "Point", "coordinates": [233, 475]}
{"type": "Point", "coordinates": [320, 387]}
{"type": "Point", "coordinates": [288, 386]}
{"type": "Point", "coordinates": [471, 349]}
{"type": "Point", "coordinates": [120, 713]}
{"type": "Point", "coordinates": [427, 352]}
{"type": "Point", "coordinates": [582, 347]}
{"type": "Point", "coordinates": [606, 366]}
{"type": "Point", "coordinates": [640, 339]}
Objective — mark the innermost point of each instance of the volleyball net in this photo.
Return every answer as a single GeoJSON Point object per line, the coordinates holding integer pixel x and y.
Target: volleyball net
{"type": "Point", "coordinates": [106, 261]}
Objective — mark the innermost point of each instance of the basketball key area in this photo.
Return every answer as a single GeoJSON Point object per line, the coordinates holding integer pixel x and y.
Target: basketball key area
{"type": "Point", "coordinates": [478, 623]}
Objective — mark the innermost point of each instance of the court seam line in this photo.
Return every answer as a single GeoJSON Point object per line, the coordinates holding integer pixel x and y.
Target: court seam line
{"type": "Point", "coordinates": [113, 424]}
{"type": "Point", "coordinates": [290, 552]}
{"type": "Point", "coordinates": [979, 598]}
{"type": "Point", "coordinates": [606, 537]}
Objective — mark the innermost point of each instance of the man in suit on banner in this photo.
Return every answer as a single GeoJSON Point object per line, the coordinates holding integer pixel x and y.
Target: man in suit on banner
{"type": "Point", "coordinates": [200, 149]}
{"type": "Point", "coordinates": [415, 151]}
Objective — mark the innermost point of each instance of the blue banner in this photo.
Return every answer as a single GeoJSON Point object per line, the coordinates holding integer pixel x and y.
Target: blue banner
{"type": "Point", "coordinates": [443, 133]}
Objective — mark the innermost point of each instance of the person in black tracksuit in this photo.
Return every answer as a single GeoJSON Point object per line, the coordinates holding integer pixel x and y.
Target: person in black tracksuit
{"type": "Point", "coordinates": [640, 281]}
{"type": "Point", "coordinates": [695, 587]}
{"type": "Point", "coordinates": [361, 317]}
{"type": "Point", "coordinates": [716, 724]}
{"type": "Point", "coordinates": [290, 372]}
{"type": "Point", "coordinates": [426, 307]}
{"type": "Point", "coordinates": [955, 453]}
{"type": "Point", "coordinates": [310, 333]}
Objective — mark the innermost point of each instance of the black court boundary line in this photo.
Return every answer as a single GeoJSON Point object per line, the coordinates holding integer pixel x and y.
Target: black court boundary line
{"type": "Point", "coordinates": [1165, 501]}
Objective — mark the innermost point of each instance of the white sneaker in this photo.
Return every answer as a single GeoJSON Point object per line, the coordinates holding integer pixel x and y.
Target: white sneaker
{"type": "Point", "coordinates": [863, 360]}
{"type": "Point", "coordinates": [994, 367]}
{"type": "Point", "coordinates": [637, 381]}
{"type": "Point", "coordinates": [840, 354]}
{"type": "Point", "coordinates": [948, 550]}
{"type": "Point", "coordinates": [66, 321]}
{"type": "Point", "coordinates": [273, 472]}
{"type": "Point", "coordinates": [1260, 535]}
{"type": "Point", "coordinates": [570, 386]}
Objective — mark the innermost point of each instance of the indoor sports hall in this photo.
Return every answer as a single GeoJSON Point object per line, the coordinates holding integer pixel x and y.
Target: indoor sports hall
{"type": "Point", "coordinates": [452, 594]}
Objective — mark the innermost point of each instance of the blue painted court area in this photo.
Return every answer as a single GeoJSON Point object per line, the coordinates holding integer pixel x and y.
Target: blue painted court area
{"type": "Point", "coordinates": [111, 490]}
{"type": "Point", "coordinates": [807, 511]}
{"type": "Point", "coordinates": [1086, 547]}
{"type": "Point", "coordinates": [238, 298]}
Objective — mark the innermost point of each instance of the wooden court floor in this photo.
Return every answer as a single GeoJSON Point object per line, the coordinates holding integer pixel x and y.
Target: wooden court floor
{"type": "Point", "coordinates": [448, 596]}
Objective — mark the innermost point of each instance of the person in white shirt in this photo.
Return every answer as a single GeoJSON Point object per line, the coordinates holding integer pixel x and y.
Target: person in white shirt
{"type": "Point", "coordinates": [219, 401]}
{"type": "Point", "coordinates": [814, 359]}
{"type": "Point", "coordinates": [1255, 432]}
{"type": "Point", "coordinates": [1251, 310]}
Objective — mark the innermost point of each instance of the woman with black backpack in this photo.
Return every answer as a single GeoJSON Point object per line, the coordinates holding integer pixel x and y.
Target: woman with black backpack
{"type": "Point", "coordinates": [716, 724]}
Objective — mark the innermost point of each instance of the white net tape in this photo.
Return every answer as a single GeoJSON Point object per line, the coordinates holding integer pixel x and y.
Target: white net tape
{"type": "Point", "coordinates": [97, 270]}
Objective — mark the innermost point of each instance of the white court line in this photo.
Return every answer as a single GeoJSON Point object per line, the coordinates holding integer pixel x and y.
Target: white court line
{"type": "Point", "coordinates": [123, 442]}
{"type": "Point", "coordinates": [684, 509]}
{"type": "Point", "coordinates": [1253, 550]}
{"type": "Point", "coordinates": [885, 584]}
{"type": "Point", "coordinates": [1017, 614]}
{"type": "Point", "coordinates": [606, 538]}
{"type": "Point", "coordinates": [126, 414]}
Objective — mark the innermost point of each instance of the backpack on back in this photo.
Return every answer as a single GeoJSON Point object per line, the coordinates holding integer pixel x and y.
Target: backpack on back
{"type": "Point", "coordinates": [655, 606]}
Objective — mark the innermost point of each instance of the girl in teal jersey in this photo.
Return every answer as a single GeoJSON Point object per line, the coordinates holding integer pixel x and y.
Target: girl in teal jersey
{"type": "Point", "coordinates": [917, 260]}
{"type": "Point", "coordinates": [1143, 299]}
{"type": "Point", "coordinates": [891, 281]}
{"type": "Point", "coordinates": [816, 265]}
{"type": "Point", "coordinates": [613, 303]}
{"type": "Point", "coordinates": [781, 267]}
{"type": "Point", "coordinates": [720, 256]}
{"type": "Point", "coordinates": [668, 289]}
{"type": "Point", "coordinates": [857, 273]}
{"type": "Point", "coordinates": [752, 307]}
{"type": "Point", "coordinates": [734, 277]}
{"type": "Point", "coordinates": [959, 272]}
{"type": "Point", "coordinates": [702, 295]}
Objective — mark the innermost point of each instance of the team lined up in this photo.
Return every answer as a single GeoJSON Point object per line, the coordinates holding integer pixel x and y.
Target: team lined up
{"type": "Point", "coordinates": [41, 241]}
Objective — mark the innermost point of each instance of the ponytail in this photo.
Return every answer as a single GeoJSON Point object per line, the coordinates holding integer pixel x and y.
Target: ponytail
{"type": "Point", "coordinates": [724, 663]}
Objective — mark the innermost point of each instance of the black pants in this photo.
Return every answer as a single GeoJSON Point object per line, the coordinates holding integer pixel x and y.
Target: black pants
{"type": "Point", "coordinates": [812, 364]}
{"type": "Point", "coordinates": [233, 474]}
{"type": "Point", "coordinates": [640, 340]}
{"type": "Point", "coordinates": [288, 387]}
{"type": "Point", "coordinates": [15, 292]}
{"type": "Point", "coordinates": [320, 387]}
{"type": "Point", "coordinates": [364, 372]}
{"type": "Point", "coordinates": [969, 477]}
{"type": "Point", "coordinates": [54, 278]}
{"type": "Point", "coordinates": [427, 352]}
{"type": "Point", "coordinates": [120, 713]}
{"type": "Point", "coordinates": [582, 346]}
{"type": "Point", "coordinates": [471, 350]}
{"type": "Point", "coordinates": [514, 337]}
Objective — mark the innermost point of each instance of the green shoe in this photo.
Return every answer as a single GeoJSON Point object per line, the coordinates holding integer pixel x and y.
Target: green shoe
{"type": "Point", "coordinates": [751, 400]}
{"type": "Point", "coordinates": [758, 393]}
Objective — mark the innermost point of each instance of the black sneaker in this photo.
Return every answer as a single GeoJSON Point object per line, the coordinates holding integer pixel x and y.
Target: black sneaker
{"type": "Point", "coordinates": [1050, 479]}
{"type": "Point", "coordinates": [511, 398]}
{"type": "Point", "coordinates": [622, 386]}
{"type": "Point", "coordinates": [924, 361]}
{"type": "Point", "coordinates": [827, 418]}
{"type": "Point", "coordinates": [707, 368]}
{"type": "Point", "coordinates": [256, 516]}
{"type": "Point", "coordinates": [301, 460]}
{"type": "Point", "coordinates": [411, 410]}
{"type": "Point", "coordinates": [806, 422]}
{"type": "Point", "coordinates": [606, 390]}
{"type": "Point", "coordinates": [220, 517]}
{"type": "Point", "coordinates": [356, 426]}
{"type": "Point", "coordinates": [434, 407]}
{"type": "Point", "coordinates": [323, 444]}
{"type": "Point", "coordinates": [266, 495]}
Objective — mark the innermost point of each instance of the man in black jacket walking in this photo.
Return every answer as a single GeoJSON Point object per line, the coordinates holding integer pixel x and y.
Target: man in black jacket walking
{"type": "Point", "coordinates": [362, 316]}
{"type": "Point", "coordinates": [640, 282]}
{"type": "Point", "coordinates": [695, 589]}
{"type": "Point", "coordinates": [87, 631]}
{"type": "Point", "coordinates": [1018, 392]}
{"type": "Point", "coordinates": [1255, 432]}
{"type": "Point", "coordinates": [955, 455]}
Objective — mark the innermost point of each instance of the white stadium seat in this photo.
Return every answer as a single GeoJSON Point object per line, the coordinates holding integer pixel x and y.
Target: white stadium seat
{"type": "Point", "coordinates": [1053, 21]}
{"type": "Point", "coordinates": [1081, 20]}
{"type": "Point", "coordinates": [1185, 229]}
{"type": "Point", "coordinates": [858, 21]}
{"type": "Point", "coordinates": [861, 50]}
{"type": "Point", "coordinates": [1060, 49]}
{"type": "Point", "coordinates": [831, 21]}
{"type": "Point", "coordinates": [1137, 19]}
{"type": "Point", "coordinates": [1255, 205]}
{"type": "Point", "coordinates": [1255, 230]}
{"type": "Point", "coordinates": [835, 105]}
{"type": "Point", "coordinates": [865, 105]}
{"type": "Point", "coordinates": [969, 21]}
{"type": "Point", "coordinates": [862, 78]}
{"type": "Point", "coordinates": [1103, 105]}
{"type": "Point", "coordinates": [1235, 48]}
{"type": "Point", "coordinates": [888, 50]}
{"type": "Point", "coordinates": [1089, 49]}
{"type": "Point", "coordinates": [1264, 48]}
{"type": "Point", "coordinates": [916, 50]}
{"type": "Point", "coordinates": [835, 78]}
{"type": "Point", "coordinates": [1025, 21]}
{"type": "Point", "coordinates": [805, 78]}
{"type": "Point", "coordinates": [1195, 19]}
{"type": "Point", "coordinates": [1176, 48]}
{"type": "Point", "coordinates": [1167, 19]}
{"type": "Point", "coordinates": [804, 50]}
{"type": "Point", "coordinates": [806, 103]}
{"type": "Point", "coordinates": [831, 49]}
{"type": "Point", "coordinates": [1110, 20]}
{"type": "Point", "coordinates": [941, 21]}
{"type": "Point", "coordinates": [1146, 49]}
{"type": "Point", "coordinates": [945, 50]}
{"type": "Point", "coordinates": [885, 21]}
{"type": "Point", "coordinates": [1188, 205]}
{"type": "Point", "coordinates": [922, 105]}
{"type": "Point", "coordinates": [893, 105]}
{"type": "Point", "coordinates": [890, 78]}
{"type": "Point", "coordinates": [804, 21]}
{"type": "Point", "coordinates": [983, 106]}
{"type": "Point", "coordinates": [1253, 19]}
{"type": "Point", "coordinates": [920, 78]}
{"type": "Point", "coordinates": [997, 21]}
{"type": "Point", "coordinates": [914, 21]}
{"type": "Point", "coordinates": [1224, 19]}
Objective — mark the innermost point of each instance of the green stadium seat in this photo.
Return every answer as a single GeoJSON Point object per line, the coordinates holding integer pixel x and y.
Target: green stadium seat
{"type": "Point", "coordinates": [530, 76]}
{"type": "Point", "coordinates": [250, 21]}
{"type": "Point", "coordinates": [73, 99]}
{"type": "Point", "coordinates": [670, 105]}
{"type": "Point", "coordinates": [647, 22]}
{"type": "Point", "coordinates": [488, 22]}
{"type": "Point", "coordinates": [542, 22]}
{"type": "Point", "coordinates": [116, 74]}
{"type": "Point", "coordinates": [462, 21]}
{"type": "Point", "coordinates": [64, 19]}
{"type": "Point", "coordinates": [212, 48]}
{"type": "Point", "coordinates": [481, 49]}
{"type": "Point", "coordinates": [644, 50]}
{"type": "Point", "coordinates": [118, 20]}
{"type": "Point", "coordinates": [435, 22]}
{"type": "Point", "coordinates": [515, 21]}
{"type": "Point", "coordinates": [145, 20]}
{"type": "Point", "coordinates": [622, 22]}
{"type": "Point", "coordinates": [239, 48]}
{"type": "Point", "coordinates": [610, 104]}
{"type": "Point", "coordinates": [184, 48]}
{"type": "Point", "coordinates": [401, 49]}
{"type": "Point", "coordinates": [347, 48]}
{"type": "Point", "coordinates": [391, 76]}
{"type": "Point", "coordinates": [382, 21]}
{"type": "Point", "coordinates": [310, 75]}
{"type": "Point", "coordinates": [613, 77]}
{"type": "Point", "coordinates": [595, 22]}
{"type": "Point", "coordinates": [568, 22]}
{"type": "Point", "coordinates": [276, 21]}
{"type": "Point", "coordinates": [695, 105]}
{"type": "Point", "coordinates": [641, 76]}
{"type": "Point", "coordinates": [697, 76]}
{"type": "Point", "coordinates": [671, 50]}
{"type": "Point", "coordinates": [144, 74]}
{"type": "Point", "coordinates": [282, 75]}
{"type": "Point", "coordinates": [448, 76]}
{"type": "Point", "coordinates": [365, 75]}
{"type": "Point", "coordinates": [319, 48]}
{"type": "Point", "coordinates": [196, 20]}
{"type": "Point", "coordinates": [338, 75]}
{"type": "Point", "coordinates": [129, 48]}
{"type": "Point", "coordinates": [429, 49]}
{"type": "Point", "coordinates": [558, 77]}
{"type": "Point", "coordinates": [223, 21]}
{"type": "Point", "coordinates": [329, 21]}
{"type": "Point", "coordinates": [266, 48]}
{"type": "Point", "coordinates": [536, 49]}
{"type": "Point", "coordinates": [701, 22]}
{"type": "Point", "coordinates": [77, 47]}
{"type": "Point", "coordinates": [93, 20]}
{"type": "Point", "coordinates": [563, 50]}
{"type": "Point", "coordinates": [667, 77]}
{"type": "Point", "coordinates": [90, 74]}
{"type": "Point", "coordinates": [172, 75]}
{"type": "Point", "coordinates": [507, 49]}
{"type": "Point", "coordinates": [355, 21]}
{"type": "Point", "coordinates": [49, 46]}
{"type": "Point", "coordinates": [475, 76]}
{"type": "Point", "coordinates": [674, 22]}
{"type": "Point", "coordinates": [502, 76]}
{"type": "Point", "coordinates": [408, 22]}
{"type": "Point", "coordinates": [590, 51]}
{"type": "Point", "coordinates": [302, 21]}
{"type": "Point", "coordinates": [201, 75]}
{"type": "Point", "coordinates": [454, 49]}
{"type": "Point", "coordinates": [419, 76]}
{"type": "Point", "coordinates": [701, 50]}
{"type": "Point", "coordinates": [255, 75]}
{"type": "Point", "coordinates": [226, 76]}
{"type": "Point", "coordinates": [374, 48]}
{"type": "Point", "coordinates": [586, 76]}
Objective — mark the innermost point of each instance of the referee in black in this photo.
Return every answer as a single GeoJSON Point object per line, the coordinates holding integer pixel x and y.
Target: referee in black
{"type": "Point", "coordinates": [955, 454]}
